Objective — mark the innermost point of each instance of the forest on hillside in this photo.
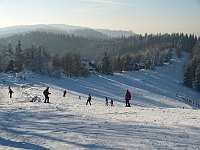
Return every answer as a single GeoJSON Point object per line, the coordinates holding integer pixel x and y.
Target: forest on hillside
{"type": "Point", "coordinates": [192, 69]}
{"type": "Point", "coordinates": [34, 50]}
{"type": "Point", "coordinates": [94, 48]}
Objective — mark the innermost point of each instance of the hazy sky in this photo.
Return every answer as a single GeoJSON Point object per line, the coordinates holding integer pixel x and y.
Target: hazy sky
{"type": "Point", "coordinates": [140, 16]}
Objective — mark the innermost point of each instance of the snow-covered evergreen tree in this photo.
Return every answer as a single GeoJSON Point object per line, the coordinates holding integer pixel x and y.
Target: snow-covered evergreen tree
{"type": "Point", "coordinates": [106, 67]}
{"type": "Point", "coordinates": [192, 73]}
{"type": "Point", "coordinates": [19, 57]}
{"type": "Point", "coordinates": [118, 64]}
{"type": "Point", "coordinates": [167, 55]}
{"type": "Point", "coordinates": [161, 63]}
{"type": "Point", "coordinates": [197, 78]}
{"type": "Point", "coordinates": [40, 62]}
{"type": "Point", "coordinates": [187, 79]}
{"type": "Point", "coordinates": [157, 58]}
{"type": "Point", "coordinates": [31, 63]}
{"type": "Point", "coordinates": [10, 50]}
{"type": "Point", "coordinates": [128, 64]}
{"type": "Point", "coordinates": [76, 65]}
{"type": "Point", "coordinates": [3, 58]}
{"type": "Point", "coordinates": [71, 64]}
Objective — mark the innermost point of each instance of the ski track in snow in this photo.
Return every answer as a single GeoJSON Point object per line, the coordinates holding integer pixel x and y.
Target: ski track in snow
{"type": "Point", "coordinates": [158, 119]}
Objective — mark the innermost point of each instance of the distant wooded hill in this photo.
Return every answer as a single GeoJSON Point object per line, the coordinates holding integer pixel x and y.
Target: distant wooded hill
{"type": "Point", "coordinates": [59, 43]}
{"type": "Point", "coordinates": [65, 29]}
{"type": "Point", "coordinates": [124, 50]}
{"type": "Point", "coordinates": [94, 47]}
{"type": "Point", "coordinates": [61, 39]}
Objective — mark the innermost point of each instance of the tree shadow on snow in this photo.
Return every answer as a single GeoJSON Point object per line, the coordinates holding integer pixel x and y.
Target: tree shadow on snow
{"type": "Point", "coordinates": [89, 132]}
{"type": "Point", "coordinates": [24, 145]}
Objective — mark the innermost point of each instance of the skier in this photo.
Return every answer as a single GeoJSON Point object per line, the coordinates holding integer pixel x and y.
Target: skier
{"type": "Point", "coordinates": [128, 98]}
{"type": "Point", "coordinates": [10, 91]}
{"type": "Point", "coordinates": [106, 101]}
{"type": "Point", "coordinates": [89, 100]}
{"type": "Point", "coordinates": [64, 93]}
{"type": "Point", "coordinates": [46, 95]}
{"type": "Point", "coordinates": [111, 102]}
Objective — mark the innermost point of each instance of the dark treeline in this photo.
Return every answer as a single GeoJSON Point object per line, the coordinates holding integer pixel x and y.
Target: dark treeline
{"type": "Point", "coordinates": [92, 48]}
{"type": "Point", "coordinates": [192, 68]}
{"type": "Point", "coordinates": [119, 54]}
{"type": "Point", "coordinates": [87, 32]}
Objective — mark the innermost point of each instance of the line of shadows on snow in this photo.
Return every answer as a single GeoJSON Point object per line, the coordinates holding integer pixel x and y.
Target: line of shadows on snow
{"type": "Point", "coordinates": [78, 129]}
{"type": "Point", "coordinates": [24, 145]}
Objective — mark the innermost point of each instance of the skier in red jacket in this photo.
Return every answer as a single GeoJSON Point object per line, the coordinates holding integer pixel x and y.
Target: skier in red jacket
{"type": "Point", "coordinates": [128, 98]}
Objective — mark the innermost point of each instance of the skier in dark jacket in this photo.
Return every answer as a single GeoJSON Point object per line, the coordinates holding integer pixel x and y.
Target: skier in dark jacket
{"type": "Point", "coordinates": [46, 95]}
{"type": "Point", "coordinates": [10, 92]}
{"type": "Point", "coordinates": [64, 93]}
{"type": "Point", "coordinates": [106, 101]}
{"type": "Point", "coordinates": [89, 100]}
{"type": "Point", "coordinates": [111, 102]}
{"type": "Point", "coordinates": [128, 98]}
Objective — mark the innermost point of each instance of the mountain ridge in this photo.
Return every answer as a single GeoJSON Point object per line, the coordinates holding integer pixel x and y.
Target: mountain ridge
{"type": "Point", "coordinates": [6, 31]}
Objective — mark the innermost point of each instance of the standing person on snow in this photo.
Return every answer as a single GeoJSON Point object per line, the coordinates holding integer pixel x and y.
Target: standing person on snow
{"type": "Point", "coordinates": [46, 95]}
{"type": "Point", "coordinates": [128, 98]}
{"type": "Point", "coordinates": [89, 100]}
{"type": "Point", "coordinates": [111, 102]}
{"type": "Point", "coordinates": [64, 93]}
{"type": "Point", "coordinates": [106, 101]}
{"type": "Point", "coordinates": [10, 91]}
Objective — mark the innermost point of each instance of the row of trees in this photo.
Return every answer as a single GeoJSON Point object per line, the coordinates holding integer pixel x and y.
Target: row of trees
{"type": "Point", "coordinates": [38, 60]}
{"type": "Point", "coordinates": [6, 54]}
{"type": "Point", "coordinates": [33, 58]}
{"type": "Point", "coordinates": [111, 55]}
{"type": "Point", "coordinates": [94, 48]}
{"type": "Point", "coordinates": [192, 69]}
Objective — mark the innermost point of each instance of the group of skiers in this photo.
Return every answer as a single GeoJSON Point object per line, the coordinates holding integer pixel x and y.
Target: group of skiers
{"type": "Point", "coordinates": [127, 99]}
{"type": "Point", "coordinates": [111, 102]}
{"type": "Point", "coordinates": [46, 94]}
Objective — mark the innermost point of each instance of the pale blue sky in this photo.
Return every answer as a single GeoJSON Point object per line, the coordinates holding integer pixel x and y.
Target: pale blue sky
{"type": "Point", "coordinates": [140, 16]}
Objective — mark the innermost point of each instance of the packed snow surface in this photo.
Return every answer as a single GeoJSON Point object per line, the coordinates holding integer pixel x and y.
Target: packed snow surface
{"type": "Point", "coordinates": [158, 118]}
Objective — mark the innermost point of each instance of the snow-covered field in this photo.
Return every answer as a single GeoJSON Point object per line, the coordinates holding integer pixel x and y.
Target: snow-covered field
{"type": "Point", "coordinates": [158, 119]}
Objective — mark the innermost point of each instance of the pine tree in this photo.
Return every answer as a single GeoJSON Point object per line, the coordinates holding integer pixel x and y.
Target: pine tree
{"type": "Point", "coordinates": [57, 63]}
{"type": "Point", "coordinates": [76, 64]}
{"type": "Point", "coordinates": [197, 78]}
{"type": "Point", "coordinates": [40, 61]}
{"type": "Point", "coordinates": [10, 50]}
{"type": "Point", "coordinates": [192, 72]}
{"type": "Point", "coordinates": [19, 57]}
{"type": "Point", "coordinates": [161, 63]}
{"type": "Point", "coordinates": [187, 80]}
{"type": "Point", "coordinates": [5, 57]}
{"type": "Point", "coordinates": [71, 64]}
{"type": "Point", "coordinates": [128, 65]}
{"type": "Point", "coordinates": [18, 47]}
{"type": "Point", "coordinates": [118, 64]}
{"type": "Point", "coordinates": [106, 67]}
